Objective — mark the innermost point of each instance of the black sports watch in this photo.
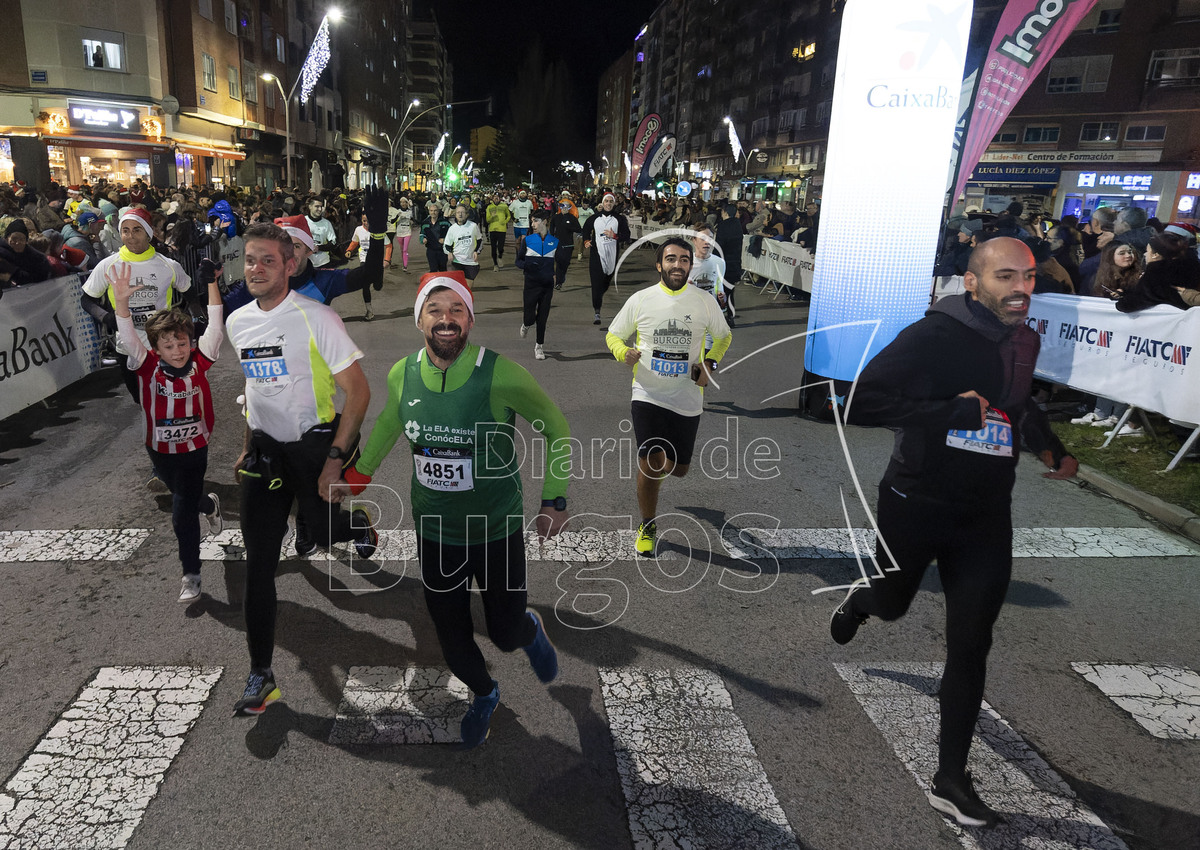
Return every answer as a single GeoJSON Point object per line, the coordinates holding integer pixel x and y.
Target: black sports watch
{"type": "Point", "coordinates": [337, 454]}
{"type": "Point", "coordinates": [559, 503]}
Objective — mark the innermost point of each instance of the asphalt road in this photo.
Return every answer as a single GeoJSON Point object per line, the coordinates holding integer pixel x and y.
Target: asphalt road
{"type": "Point", "coordinates": [549, 775]}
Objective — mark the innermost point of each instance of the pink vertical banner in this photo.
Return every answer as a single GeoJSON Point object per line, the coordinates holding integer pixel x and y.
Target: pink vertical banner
{"type": "Point", "coordinates": [1029, 33]}
{"type": "Point", "coordinates": [643, 140]}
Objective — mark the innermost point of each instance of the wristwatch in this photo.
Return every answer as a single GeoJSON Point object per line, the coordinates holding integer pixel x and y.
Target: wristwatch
{"type": "Point", "coordinates": [559, 503]}
{"type": "Point", "coordinates": [337, 454]}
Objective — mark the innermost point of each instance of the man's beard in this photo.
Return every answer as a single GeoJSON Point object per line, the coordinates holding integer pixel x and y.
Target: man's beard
{"type": "Point", "coordinates": [446, 349]}
{"type": "Point", "coordinates": [675, 279]}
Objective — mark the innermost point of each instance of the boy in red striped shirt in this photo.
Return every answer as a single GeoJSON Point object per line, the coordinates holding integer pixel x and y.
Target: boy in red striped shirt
{"type": "Point", "coordinates": [177, 410]}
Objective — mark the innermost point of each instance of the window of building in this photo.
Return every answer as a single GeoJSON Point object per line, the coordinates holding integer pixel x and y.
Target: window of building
{"type": "Point", "coordinates": [210, 72]}
{"type": "Point", "coordinates": [741, 77]}
{"type": "Point", "coordinates": [716, 135]}
{"type": "Point", "coordinates": [822, 115]}
{"type": "Point", "coordinates": [230, 17]}
{"type": "Point", "coordinates": [764, 96]}
{"type": "Point", "coordinates": [235, 83]}
{"type": "Point", "coordinates": [1040, 135]}
{"type": "Point", "coordinates": [206, 9]}
{"type": "Point", "coordinates": [1145, 132]}
{"type": "Point", "coordinates": [827, 74]}
{"type": "Point", "coordinates": [787, 120]}
{"type": "Point", "coordinates": [1078, 74]}
{"type": "Point", "coordinates": [1109, 21]}
{"type": "Point", "coordinates": [1175, 67]}
{"type": "Point", "coordinates": [249, 82]}
{"type": "Point", "coordinates": [269, 95]}
{"type": "Point", "coordinates": [103, 50]}
{"type": "Point", "coordinates": [1104, 17]}
{"type": "Point", "coordinates": [1100, 131]}
{"type": "Point", "coordinates": [802, 117]}
{"type": "Point", "coordinates": [759, 127]}
{"type": "Point", "coordinates": [1187, 8]}
{"type": "Point", "coordinates": [1006, 138]}
{"type": "Point", "coordinates": [280, 49]}
{"type": "Point", "coordinates": [739, 104]}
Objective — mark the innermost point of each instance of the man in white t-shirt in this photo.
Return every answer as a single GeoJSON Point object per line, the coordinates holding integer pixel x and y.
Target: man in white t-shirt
{"type": "Point", "coordinates": [322, 232]}
{"type": "Point", "coordinates": [521, 209]}
{"type": "Point", "coordinates": [295, 354]}
{"type": "Point", "coordinates": [670, 370]}
{"type": "Point", "coordinates": [462, 243]}
{"type": "Point", "coordinates": [708, 270]}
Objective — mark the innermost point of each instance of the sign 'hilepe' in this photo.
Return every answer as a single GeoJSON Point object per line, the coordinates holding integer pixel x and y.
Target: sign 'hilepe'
{"type": "Point", "coordinates": [895, 102]}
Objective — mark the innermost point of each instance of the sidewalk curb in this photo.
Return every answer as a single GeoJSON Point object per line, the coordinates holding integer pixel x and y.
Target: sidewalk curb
{"type": "Point", "coordinates": [1178, 519]}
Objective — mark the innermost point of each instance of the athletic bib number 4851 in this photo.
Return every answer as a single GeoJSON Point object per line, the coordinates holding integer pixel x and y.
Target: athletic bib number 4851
{"type": "Point", "coordinates": [446, 470]}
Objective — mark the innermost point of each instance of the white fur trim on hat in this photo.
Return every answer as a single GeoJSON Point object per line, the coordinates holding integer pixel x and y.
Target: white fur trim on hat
{"type": "Point", "coordinates": [450, 283]}
{"type": "Point", "coordinates": [141, 217]}
{"type": "Point", "coordinates": [303, 235]}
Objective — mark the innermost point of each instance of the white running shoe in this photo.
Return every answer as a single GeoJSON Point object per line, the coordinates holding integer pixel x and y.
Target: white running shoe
{"type": "Point", "coordinates": [538, 354]}
{"type": "Point", "coordinates": [215, 522]}
{"type": "Point", "coordinates": [189, 590]}
{"type": "Point", "coordinates": [1106, 422]}
{"type": "Point", "coordinates": [1127, 430]}
{"type": "Point", "coordinates": [369, 315]}
{"type": "Point", "coordinates": [524, 331]}
{"type": "Point", "coordinates": [1086, 419]}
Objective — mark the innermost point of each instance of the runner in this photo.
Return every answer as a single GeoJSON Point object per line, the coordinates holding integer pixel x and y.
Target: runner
{"type": "Point", "coordinates": [470, 526]}
{"type": "Point", "coordinates": [521, 209]}
{"type": "Point", "coordinates": [462, 243]}
{"type": "Point", "coordinates": [498, 218]}
{"type": "Point", "coordinates": [403, 224]}
{"type": "Point", "coordinates": [670, 321]}
{"type": "Point", "coordinates": [175, 397]}
{"type": "Point", "coordinates": [322, 232]}
{"type": "Point", "coordinates": [537, 253]}
{"type": "Point", "coordinates": [433, 235]}
{"type": "Point", "coordinates": [564, 227]}
{"type": "Point", "coordinates": [606, 228]}
{"type": "Point", "coordinates": [956, 388]}
{"type": "Point", "coordinates": [295, 354]}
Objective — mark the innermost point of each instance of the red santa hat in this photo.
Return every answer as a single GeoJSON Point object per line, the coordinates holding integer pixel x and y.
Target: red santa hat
{"type": "Point", "coordinates": [1187, 231]}
{"type": "Point", "coordinates": [72, 190]}
{"type": "Point", "coordinates": [296, 227]}
{"type": "Point", "coordinates": [455, 281]}
{"type": "Point", "coordinates": [140, 216]}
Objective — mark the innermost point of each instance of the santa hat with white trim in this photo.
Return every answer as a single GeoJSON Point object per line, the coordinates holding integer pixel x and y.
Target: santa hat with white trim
{"type": "Point", "coordinates": [455, 281]}
{"type": "Point", "coordinates": [140, 216]}
{"type": "Point", "coordinates": [1187, 231]}
{"type": "Point", "coordinates": [296, 227]}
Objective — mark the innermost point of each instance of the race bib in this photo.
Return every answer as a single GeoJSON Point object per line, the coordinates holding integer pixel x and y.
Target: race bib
{"type": "Point", "coordinates": [179, 430]}
{"type": "Point", "coordinates": [141, 313]}
{"type": "Point", "coordinates": [264, 362]}
{"type": "Point", "coordinates": [669, 364]}
{"type": "Point", "coordinates": [994, 438]}
{"type": "Point", "coordinates": [443, 469]}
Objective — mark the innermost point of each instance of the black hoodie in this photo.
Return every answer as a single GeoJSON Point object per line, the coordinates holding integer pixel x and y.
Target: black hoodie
{"type": "Point", "coordinates": [912, 386]}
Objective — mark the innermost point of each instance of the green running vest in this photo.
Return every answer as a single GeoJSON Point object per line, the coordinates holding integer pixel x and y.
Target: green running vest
{"type": "Point", "coordinates": [465, 481]}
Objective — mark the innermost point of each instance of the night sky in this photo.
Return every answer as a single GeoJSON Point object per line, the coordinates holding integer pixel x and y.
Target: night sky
{"type": "Point", "coordinates": [485, 40]}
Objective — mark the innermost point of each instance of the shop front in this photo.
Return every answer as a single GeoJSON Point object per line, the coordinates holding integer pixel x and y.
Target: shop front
{"type": "Point", "coordinates": [1080, 192]}
{"type": "Point", "coordinates": [993, 186]}
{"type": "Point", "coordinates": [1187, 195]}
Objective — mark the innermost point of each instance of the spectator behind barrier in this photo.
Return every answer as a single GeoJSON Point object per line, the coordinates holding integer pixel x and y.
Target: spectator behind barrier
{"type": "Point", "coordinates": [1169, 270]}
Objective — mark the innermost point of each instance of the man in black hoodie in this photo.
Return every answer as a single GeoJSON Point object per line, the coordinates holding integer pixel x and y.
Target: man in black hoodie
{"type": "Point", "coordinates": [956, 387]}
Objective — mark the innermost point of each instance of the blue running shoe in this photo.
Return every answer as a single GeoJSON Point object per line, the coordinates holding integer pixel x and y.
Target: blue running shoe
{"type": "Point", "coordinates": [543, 657]}
{"type": "Point", "coordinates": [260, 692]}
{"type": "Point", "coordinates": [475, 722]}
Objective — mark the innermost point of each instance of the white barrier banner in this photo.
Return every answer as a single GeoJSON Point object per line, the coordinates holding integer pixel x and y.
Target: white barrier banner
{"type": "Point", "coordinates": [47, 342]}
{"type": "Point", "coordinates": [785, 262]}
{"type": "Point", "coordinates": [1142, 359]}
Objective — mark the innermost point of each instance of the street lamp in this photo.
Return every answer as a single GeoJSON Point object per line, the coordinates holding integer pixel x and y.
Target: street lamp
{"type": "Point", "coordinates": [310, 72]}
{"type": "Point", "coordinates": [394, 143]}
{"type": "Point", "coordinates": [752, 152]}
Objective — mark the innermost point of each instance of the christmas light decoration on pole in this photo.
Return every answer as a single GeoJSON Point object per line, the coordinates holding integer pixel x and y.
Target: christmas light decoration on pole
{"type": "Point", "coordinates": [441, 146]}
{"type": "Point", "coordinates": [461, 160]}
{"type": "Point", "coordinates": [317, 59]}
{"type": "Point", "coordinates": [735, 143]}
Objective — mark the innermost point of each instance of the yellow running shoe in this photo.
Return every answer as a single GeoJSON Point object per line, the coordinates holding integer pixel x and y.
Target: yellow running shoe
{"type": "Point", "coordinates": [646, 536]}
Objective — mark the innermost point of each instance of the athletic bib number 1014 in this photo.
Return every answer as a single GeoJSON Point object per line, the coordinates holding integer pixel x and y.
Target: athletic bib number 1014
{"type": "Point", "coordinates": [994, 438]}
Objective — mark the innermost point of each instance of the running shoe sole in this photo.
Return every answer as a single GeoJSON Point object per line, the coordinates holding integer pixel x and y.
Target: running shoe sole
{"type": "Point", "coordinates": [948, 808]}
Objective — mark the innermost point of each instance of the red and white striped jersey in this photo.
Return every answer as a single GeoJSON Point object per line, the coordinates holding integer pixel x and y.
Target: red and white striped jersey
{"type": "Point", "coordinates": [177, 413]}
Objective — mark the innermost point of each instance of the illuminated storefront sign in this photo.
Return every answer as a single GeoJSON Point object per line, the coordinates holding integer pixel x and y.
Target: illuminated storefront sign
{"type": "Point", "coordinates": [1128, 182]}
{"type": "Point", "coordinates": [100, 116]}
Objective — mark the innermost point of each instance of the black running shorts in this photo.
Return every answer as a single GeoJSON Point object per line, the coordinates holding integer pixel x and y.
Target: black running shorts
{"type": "Point", "coordinates": [660, 430]}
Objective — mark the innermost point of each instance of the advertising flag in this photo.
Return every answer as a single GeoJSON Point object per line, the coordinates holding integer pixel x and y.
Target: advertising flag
{"type": "Point", "coordinates": [643, 140]}
{"type": "Point", "coordinates": [895, 104]}
{"type": "Point", "coordinates": [1029, 33]}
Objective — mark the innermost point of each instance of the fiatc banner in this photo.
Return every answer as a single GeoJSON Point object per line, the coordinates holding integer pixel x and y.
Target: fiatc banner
{"type": "Point", "coordinates": [47, 341]}
{"type": "Point", "coordinates": [1143, 359]}
{"type": "Point", "coordinates": [643, 140]}
{"type": "Point", "coordinates": [1029, 33]}
{"type": "Point", "coordinates": [895, 103]}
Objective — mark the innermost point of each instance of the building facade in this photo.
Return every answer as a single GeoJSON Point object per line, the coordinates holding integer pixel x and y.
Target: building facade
{"type": "Point", "coordinates": [432, 84]}
{"type": "Point", "coordinates": [613, 111]}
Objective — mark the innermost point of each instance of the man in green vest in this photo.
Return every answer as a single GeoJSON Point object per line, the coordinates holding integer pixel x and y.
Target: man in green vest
{"type": "Point", "coordinates": [456, 405]}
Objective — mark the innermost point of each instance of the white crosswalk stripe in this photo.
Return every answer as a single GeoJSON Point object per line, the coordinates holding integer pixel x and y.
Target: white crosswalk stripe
{"type": "Point", "coordinates": [88, 544]}
{"type": "Point", "coordinates": [88, 782]}
{"type": "Point", "coordinates": [689, 772]}
{"type": "Point", "coordinates": [1165, 701]}
{"type": "Point", "coordinates": [1039, 808]}
{"type": "Point", "coordinates": [400, 705]}
{"type": "Point", "coordinates": [814, 543]}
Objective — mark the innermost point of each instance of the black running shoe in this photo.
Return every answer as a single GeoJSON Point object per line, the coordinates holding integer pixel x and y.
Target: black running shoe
{"type": "Point", "coordinates": [957, 799]}
{"type": "Point", "coordinates": [843, 625]}
{"type": "Point", "coordinates": [260, 692]}
{"type": "Point", "coordinates": [305, 547]}
{"type": "Point", "coordinates": [368, 541]}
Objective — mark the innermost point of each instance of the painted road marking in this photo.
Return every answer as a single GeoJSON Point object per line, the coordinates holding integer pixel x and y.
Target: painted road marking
{"type": "Point", "coordinates": [814, 543]}
{"type": "Point", "coordinates": [1039, 808]}
{"type": "Point", "coordinates": [1164, 700]}
{"type": "Point", "coordinates": [86, 544]}
{"type": "Point", "coordinates": [603, 546]}
{"type": "Point", "coordinates": [88, 782]}
{"type": "Point", "coordinates": [400, 705]}
{"type": "Point", "coordinates": [689, 772]}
